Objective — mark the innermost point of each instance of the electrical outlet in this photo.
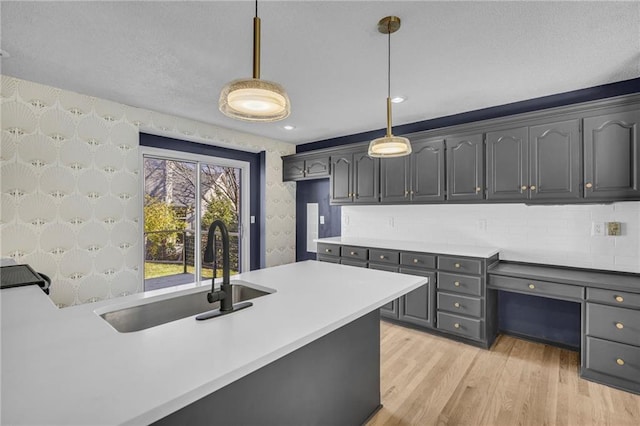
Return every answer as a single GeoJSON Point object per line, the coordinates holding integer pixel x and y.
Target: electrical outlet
{"type": "Point", "coordinates": [614, 228]}
{"type": "Point", "coordinates": [321, 220]}
{"type": "Point", "coordinates": [597, 229]}
{"type": "Point", "coordinates": [252, 219]}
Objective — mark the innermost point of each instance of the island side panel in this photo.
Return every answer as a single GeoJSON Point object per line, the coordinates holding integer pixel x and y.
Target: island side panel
{"type": "Point", "coordinates": [333, 380]}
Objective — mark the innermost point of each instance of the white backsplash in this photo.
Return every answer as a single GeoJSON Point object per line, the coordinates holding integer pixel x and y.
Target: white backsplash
{"type": "Point", "coordinates": [559, 235]}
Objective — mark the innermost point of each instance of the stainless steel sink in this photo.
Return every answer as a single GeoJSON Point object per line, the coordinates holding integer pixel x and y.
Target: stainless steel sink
{"type": "Point", "coordinates": [151, 314]}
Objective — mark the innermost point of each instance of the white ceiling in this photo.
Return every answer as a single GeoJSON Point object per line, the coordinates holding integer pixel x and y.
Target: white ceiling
{"type": "Point", "coordinates": [448, 57]}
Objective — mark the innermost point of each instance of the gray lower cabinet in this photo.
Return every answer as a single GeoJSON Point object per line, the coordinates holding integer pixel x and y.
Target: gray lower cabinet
{"type": "Point", "coordinates": [554, 161]}
{"type": "Point", "coordinates": [390, 310]}
{"type": "Point", "coordinates": [612, 156]}
{"type": "Point", "coordinates": [465, 167]}
{"type": "Point", "coordinates": [508, 164]}
{"type": "Point", "coordinates": [418, 306]}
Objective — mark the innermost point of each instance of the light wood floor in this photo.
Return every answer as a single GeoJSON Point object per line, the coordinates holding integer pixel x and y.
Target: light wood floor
{"type": "Point", "coordinates": [429, 380]}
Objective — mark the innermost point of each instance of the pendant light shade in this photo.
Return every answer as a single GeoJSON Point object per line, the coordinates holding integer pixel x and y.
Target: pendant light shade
{"type": "Point", "coordinates": [389, 145]}
{"type": "Point", "coordinates": [253, 99]}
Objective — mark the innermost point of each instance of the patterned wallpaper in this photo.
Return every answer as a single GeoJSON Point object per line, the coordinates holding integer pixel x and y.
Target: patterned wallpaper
{"type": "Point", "coordinates": [70, 190]}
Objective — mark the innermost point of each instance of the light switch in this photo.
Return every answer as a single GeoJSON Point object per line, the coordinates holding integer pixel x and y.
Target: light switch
{"type": "Point", "coordinates": [252, 219]}
{"type": "Point", "coordinates": [321, 220]}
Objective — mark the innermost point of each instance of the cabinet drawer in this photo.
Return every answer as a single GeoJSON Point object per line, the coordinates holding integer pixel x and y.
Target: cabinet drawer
{"type": "Point", "coordinates": [458, 304]}
{"type": "Point", "coordinates": [458, 264]}
{"type": "Point", "coordinates": [542, 288]}
{"type": "Point", "coordinates": [617, 298]}
{"type": "Point", "coordinates": [384, 256]}
{"type": "Point", "coordinates": [388, 268]}
{"type": "Point", "coordinates": [418, 260]}
{"type": "Point", "coordinates": [612, 323]}
{"type": "Point", "coordinates": [354, 252]}
{"type": "Point", "coordinates": [614, 359]}
{"type": "Point", "coordinates": [330, 259]}
{"type": "Point", "coordinates": [467, 327]}
{"type": "Point", "coordinates": [350, 262]}
{"type": "Point", "coordinates": [460, 283]}
{"type": "Point", "coordinates": [328, 249]}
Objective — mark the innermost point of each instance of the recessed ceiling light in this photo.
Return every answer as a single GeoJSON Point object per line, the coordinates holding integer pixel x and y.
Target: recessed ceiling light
{"type": "Point", "coordinates": [398, 99]}
{"type": "Point", "coordinates": [289, 127]}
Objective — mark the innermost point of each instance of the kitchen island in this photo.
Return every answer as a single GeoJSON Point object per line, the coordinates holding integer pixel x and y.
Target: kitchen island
{"type": "Point", "coordinates": [69, 366]}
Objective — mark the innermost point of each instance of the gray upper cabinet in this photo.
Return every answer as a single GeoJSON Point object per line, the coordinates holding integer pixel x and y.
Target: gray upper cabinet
{"type": "Point", "coordinates": [365, 178]}
{"type": "Point", "coordinates": [354, 178]}
{"type": "Point", "coordinates": [394, 180]}
{"type": "Point", "coordinates": [465, 166]}
{"type": "Point", "coordinates": [508, 164]}
{"type": "Point", "coordinates": [612, 156]}
{"type": "Point", "coordinates": [554, 159]}
{"type": "Point", "coordinates": [427, 170]}
{"type": "Point", "coordinates": [303, 166]}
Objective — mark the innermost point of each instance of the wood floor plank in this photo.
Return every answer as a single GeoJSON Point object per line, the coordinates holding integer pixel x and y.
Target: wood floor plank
{"type": "Point", "coordinates": [430, 380]}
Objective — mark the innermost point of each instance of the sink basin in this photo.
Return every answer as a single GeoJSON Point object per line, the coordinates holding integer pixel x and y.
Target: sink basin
{"type": "Point", "coordinates": [152, 314]}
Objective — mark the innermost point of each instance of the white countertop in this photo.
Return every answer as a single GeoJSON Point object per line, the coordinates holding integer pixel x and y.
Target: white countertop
{"type": "Point", "coordinates": [418, 246]}
{"type": "Point", "coordinates": [69, 366]}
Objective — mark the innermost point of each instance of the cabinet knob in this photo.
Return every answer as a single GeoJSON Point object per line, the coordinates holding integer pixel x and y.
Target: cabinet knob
{"type": "Point", "coordinates": [406, 193]}
{"type": "Point", "coordinates": [524, 187]}
{"type": "Point", "coordinates": [531, 286]}
{"type": "Point", "coordinates": [327, 250]}
{"type": "Point", "coordinates": [619, 299]}
{"type": "Point", "coordinates": [619, 325]}
{"type": "Point", "coordinates": [457, 265]}
{"type": "Point", "coordinates": [457, 283]}
{"type": "Point", "coordinates": [353, 253]}
{"type": "Point", "coordinates": [532, 187]}
{"type": "Point", "coordinates": [415, 260]}
{"type": "Point", "coordinates": [478, 189]}
{"type": "Point", "coordinates": [456, 325]}
{"type": "Point", "coordinates": [411, 192]}
{"type": "Point", "coordinates": [589, 185]}
{"type": "Point", "coordinates": [620, 361]}
{"type": "Point", "coordinates": [457, 305]}
{"type": "Point", "coordinates": [381, 257]}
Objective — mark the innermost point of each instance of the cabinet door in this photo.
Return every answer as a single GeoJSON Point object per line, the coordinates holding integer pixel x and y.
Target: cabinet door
{"type": "Point", "coordinates": [366, 178]}
{"type": "Point", "coordinates": [554, 158]}
{"type": "Point", "coordinates": [394, 186]}
{"type": "Point", "coordinates": [465, 165]}
{"type": "Point", "coordinates": [292, 169]}
{"type": "Point", "coordinates": [427, 170]}
{"type": "Point", "coordinates": [508, 164]}
{"type": "Point", "coordinates": [390, 310]}
{"type": "Point", "coordinates": [612, 156]}
{"type": "Point", "coordinates": [341, 179]}
{"type": "Point", "coordinates": [417, 306]}
{"type": "Point", "coordinates": [316, 167]}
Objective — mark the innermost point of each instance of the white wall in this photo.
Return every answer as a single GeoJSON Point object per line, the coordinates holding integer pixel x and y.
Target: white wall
{"type": "Point", "coordinates": [542, 234]}
{"type": "Point", "coordinates": [70, 203]}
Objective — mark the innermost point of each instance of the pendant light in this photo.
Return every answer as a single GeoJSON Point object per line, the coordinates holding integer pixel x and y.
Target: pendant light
{"type": "Point", "coordinates": [253, 99]}
{"type": "Point", "coordinates": [389, 145]}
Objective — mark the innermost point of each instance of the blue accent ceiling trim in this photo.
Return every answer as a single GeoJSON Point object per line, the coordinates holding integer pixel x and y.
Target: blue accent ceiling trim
{"type": "Point", "coordinates": [314, 191]}
{"type": "Point", "coordinates": [256, 167]}
{"type": "Point", "coordinates": [567, 98]}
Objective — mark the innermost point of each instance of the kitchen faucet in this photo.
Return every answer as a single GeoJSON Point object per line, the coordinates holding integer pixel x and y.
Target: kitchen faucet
{"type": "Point", "coordinates": [225, 294]}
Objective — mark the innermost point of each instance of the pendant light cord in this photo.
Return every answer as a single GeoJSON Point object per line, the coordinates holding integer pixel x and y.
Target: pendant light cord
{"type": "Point", "coordinates": [256, 8]}
{"type": "Point", "coordinates": [389, 60]}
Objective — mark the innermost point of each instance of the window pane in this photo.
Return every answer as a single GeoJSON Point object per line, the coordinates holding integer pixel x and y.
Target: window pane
{"type": "Point", "coordinates": [220, 199]}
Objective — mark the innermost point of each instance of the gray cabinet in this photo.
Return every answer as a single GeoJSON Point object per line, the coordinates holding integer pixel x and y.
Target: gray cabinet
{"type": "Point", "coordinates": [612, 156]}
{"type": "Point", "coordinates": [554, 159]}
{"type": "Point", "coordinates": [390, 310]}
{"type": "Point", "coordinates": [508, 164]}
{"type": "Point", "coordinates": [416, 178]}
{"type": "Point", "coordinates": [465, 167]}
{"type": "Point", "coordinates": [354, 178]}
{"type": "Point", "coordinates": [303, 166]}
{"type": "Point", "coordinates": [418, 306]}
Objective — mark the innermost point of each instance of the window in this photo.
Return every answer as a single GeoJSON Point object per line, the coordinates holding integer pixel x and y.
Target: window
{"type": "Point", "coordinates": [183, 194]}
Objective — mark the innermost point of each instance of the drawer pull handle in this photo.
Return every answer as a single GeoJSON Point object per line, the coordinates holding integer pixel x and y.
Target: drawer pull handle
{"type": "Point", "coordinates": [381, 257]}
{"type": "Point", "coordinates": [456, 325]}
{"type": "Point", "coordinates": [353, 253]}
{"type": "Point", "coordinates": [457, 305]}
{"type": "Point", "coordinates": [620, 361]}
{"type": "Point", "coordinates": [457, 265]}
{"type": "Point", "coordinates": [619, 299]}
{"type": "Point", "coordinates": [619, 325]}
{"type": "Point", "coordinates": [457, 283]}
{"type": "Point", "coordinates": [415, 260]}
{"type": "Point", "coordinates": [531, 286]}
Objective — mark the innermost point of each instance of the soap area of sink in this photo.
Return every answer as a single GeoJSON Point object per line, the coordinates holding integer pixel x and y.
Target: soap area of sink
{"type": "Point", "coordinates": [167, 309]}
